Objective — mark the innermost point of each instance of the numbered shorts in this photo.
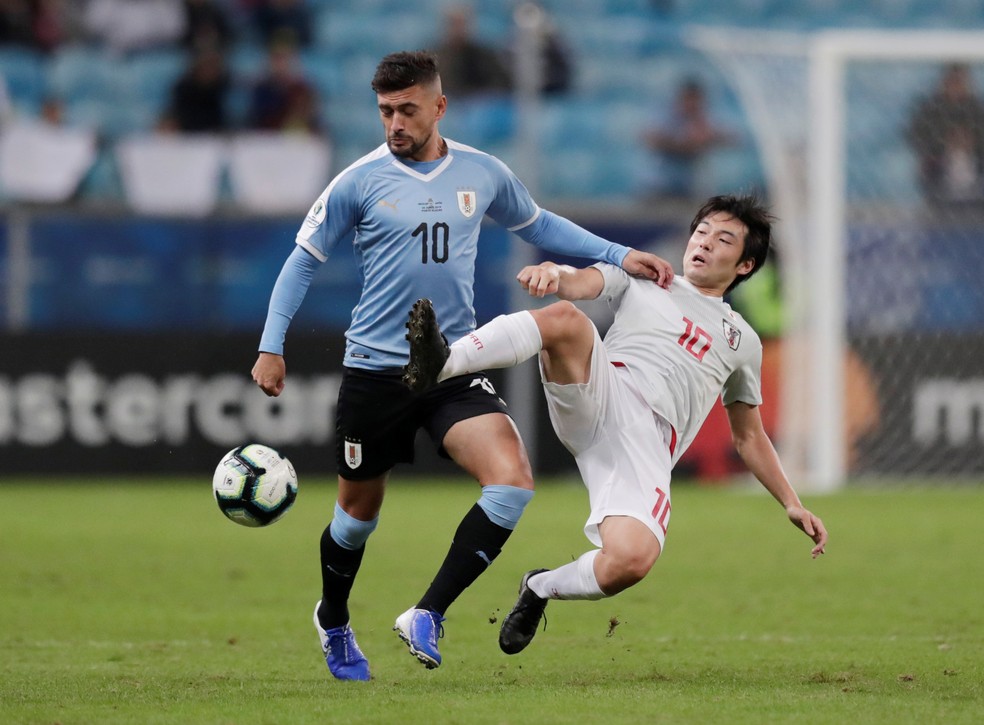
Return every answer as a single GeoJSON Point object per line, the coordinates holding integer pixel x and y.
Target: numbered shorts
{"type": "Point", "coordinates": [378, 417]}
{"type": "Point", "coordinates": [621, 446]}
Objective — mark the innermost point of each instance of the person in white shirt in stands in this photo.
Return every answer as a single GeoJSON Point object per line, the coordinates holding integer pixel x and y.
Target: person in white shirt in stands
{"type": "Point", "coordinates": [628, 407]}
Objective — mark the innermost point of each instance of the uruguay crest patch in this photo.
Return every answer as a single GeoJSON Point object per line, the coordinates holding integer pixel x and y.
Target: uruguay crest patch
{"type": "Point", "coordinates": [353, 454]}
{"type": "Point", "coordinates": [466, 203]}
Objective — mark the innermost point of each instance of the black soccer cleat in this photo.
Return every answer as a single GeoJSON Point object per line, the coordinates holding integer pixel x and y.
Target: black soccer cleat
{"type": "Point", "coordinates": [521, 623]}
{"type": "Point", "coordinates": [428, 347]}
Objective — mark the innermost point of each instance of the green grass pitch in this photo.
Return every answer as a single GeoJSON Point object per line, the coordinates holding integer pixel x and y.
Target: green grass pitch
{"type": "Point", "coordinates": [137, 602]}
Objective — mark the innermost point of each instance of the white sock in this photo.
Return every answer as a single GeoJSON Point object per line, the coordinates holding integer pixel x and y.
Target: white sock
{"type": "Point", "coordinates": [501, 343]}
{"type": "Point", "coordinates": [571, 581]}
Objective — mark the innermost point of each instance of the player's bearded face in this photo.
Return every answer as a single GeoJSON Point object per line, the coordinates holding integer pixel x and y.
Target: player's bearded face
{"type": "Point", "coordinates": [410, 120]}
{"type": "Point", "coordinates": [404, 145]}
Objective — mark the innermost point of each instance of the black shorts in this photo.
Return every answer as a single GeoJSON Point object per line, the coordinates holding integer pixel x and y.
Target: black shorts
{"type": "Point", "coordinates": [377, 417]}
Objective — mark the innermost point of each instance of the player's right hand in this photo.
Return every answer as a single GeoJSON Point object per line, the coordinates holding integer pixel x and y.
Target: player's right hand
{"type": "Point", "coordinates": [540, 279]}
{"type": "Point", "coordinates": [270, 372]}
{"type": "Point", "coordinates": [811, 525]}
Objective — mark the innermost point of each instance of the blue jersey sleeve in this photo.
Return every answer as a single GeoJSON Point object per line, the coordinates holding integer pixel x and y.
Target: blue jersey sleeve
{"type": "Point", "coordinates": [512, 205]}
{"type": "Point", "coordinates": [333, 216]}
{"type": "Point", "coordinates": [556, 234]}
{"type": "Point", "coordinates": [288, 293]}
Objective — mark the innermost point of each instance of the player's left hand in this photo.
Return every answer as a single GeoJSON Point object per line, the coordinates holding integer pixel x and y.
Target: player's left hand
{"type": "Point", "coordinates": [811, 525]}
{"type": "Point", "coordinates": [644, 264]}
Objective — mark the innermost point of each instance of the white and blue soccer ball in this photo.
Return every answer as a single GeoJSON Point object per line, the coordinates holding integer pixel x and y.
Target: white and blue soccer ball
{"type": "Point", "coordinates": [254, 485]}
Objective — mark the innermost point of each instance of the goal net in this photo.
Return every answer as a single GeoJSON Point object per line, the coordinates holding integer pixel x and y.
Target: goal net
{"type": "Point", "coordinates": [873, 147]}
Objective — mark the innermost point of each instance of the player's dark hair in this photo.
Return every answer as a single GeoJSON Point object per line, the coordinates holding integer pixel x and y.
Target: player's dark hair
{"type": "Point", "coordinates": [399, 71]}
{"type": "Point", "coordinates": [757, 220]}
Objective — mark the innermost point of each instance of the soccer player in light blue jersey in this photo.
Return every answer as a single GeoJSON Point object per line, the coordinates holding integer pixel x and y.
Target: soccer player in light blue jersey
{"type": "Point", "coordinates": [416, 205]}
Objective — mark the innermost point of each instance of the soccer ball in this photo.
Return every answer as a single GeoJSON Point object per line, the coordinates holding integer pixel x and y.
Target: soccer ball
{"type": "Point", "coordinates": [254, 485]}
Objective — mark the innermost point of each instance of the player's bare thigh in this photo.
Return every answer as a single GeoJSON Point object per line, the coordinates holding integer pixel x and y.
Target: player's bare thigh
{"type": "Point", "coordinates": [629, 549]}
{"type": "Point", "coordinates": [362, 499]}
{"type": "Point", "coordinates": [490, 449]}
{"type": "Point", "coordinates": [568, 338]}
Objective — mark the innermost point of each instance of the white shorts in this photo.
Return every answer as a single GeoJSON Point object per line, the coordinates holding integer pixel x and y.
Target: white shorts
{"type": "Point", "coordinates": [622, 447]}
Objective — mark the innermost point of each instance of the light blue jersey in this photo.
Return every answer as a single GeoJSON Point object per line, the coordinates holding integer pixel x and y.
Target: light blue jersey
{"type": "Point", "coordinates": [416, 235]}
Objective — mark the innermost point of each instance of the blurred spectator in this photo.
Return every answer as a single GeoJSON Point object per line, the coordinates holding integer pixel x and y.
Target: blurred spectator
{"type": "Point", "coordinates": [16, 23]}
{"type": "Point", "coordinates": [283, 99]}
{"type": "Point", "coordinates": [39, 24]}
{"type": "Point", "coordinates": [198, 98]}
{"type": "Point", "coordinates": [54, 23]}
{"type": "Point", "coordinates": [124, 26]}
{"type": "Point", "coordinates": [206, 25]}
{"type": "Point", "coordinates": [273, 19]}
{"type": "Point", "coordinates": [468, 67]}
{"type": "Point", "coordinates": [946, 131]}
{"type": "Point", "coordinates": [557, 68]}
{"type": "Point", "coordinates": [682, 141]}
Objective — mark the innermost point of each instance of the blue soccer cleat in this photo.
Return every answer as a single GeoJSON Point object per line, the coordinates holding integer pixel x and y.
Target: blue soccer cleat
{"type": "Point", "coordinates": [342, 654]}
{"type": "Point", "coordinates": [420, 629]}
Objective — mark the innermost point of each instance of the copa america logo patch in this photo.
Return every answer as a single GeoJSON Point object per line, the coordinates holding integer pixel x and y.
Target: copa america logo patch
{"type": "Point", "coordinates": [317, 214]}
{"type": "Point", "coordinates": [466, 203]}
{"type": "Point", "coordinates": [732, 334]}
{"type": "Point", "coordinates": [353, 453]}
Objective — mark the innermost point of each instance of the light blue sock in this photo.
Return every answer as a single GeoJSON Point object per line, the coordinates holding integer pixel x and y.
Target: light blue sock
{"type": "Point", "coordinates": [349, 532]}
{"type": "Point", "coordinates": [504, 504]}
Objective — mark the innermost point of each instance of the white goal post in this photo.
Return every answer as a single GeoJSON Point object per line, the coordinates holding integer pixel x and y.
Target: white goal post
{"type": "Point", "coordinates": [794, 89]}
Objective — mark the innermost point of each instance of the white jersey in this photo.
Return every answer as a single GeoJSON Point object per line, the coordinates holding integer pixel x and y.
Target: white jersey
{"type": "Point", "coordinates": [683, 349]}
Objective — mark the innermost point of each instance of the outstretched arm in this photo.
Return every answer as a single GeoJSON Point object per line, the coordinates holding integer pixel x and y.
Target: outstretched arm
{"type": "Point", "coordinates": [270, 371]}
{"type": "Point", "coordinates": [562, 280]}
{"type": "Point", "coordinates": [557, 234]}
{"type": "Point", "coordinates": [570, 283]}
{"type": "Point", "coordinates": [758, 453]}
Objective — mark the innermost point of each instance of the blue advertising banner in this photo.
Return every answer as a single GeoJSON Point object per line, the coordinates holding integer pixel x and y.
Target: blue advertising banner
{"type": "Point", "coordinates": [154, 274]}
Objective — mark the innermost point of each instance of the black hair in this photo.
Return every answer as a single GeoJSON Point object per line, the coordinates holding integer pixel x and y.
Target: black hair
{"type": "Point", "coordinates": [757, 220]}
{"type": "Point", "coordinates": [399, 71]}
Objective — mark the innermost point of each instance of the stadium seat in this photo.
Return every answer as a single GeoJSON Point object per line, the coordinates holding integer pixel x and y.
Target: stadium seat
{"type": "Point", "coordinates": [23, 73]}
{"type": "Point", "coordinates": [324, 71]}
{"type": "Point", "coordinates": [83, 73]}
{"type": "Point", "coordinates": [147, 78]}
{"type": "Point", "coordinates": [344, 33]}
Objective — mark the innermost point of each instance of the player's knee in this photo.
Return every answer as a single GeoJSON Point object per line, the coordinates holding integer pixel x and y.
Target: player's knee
{"type": "Point", "coordinates": [507, 469]}
{"type": "Point", "coordinates": [565, 313]}
{"type": "Point", "coordinates": [636, 566]}
{"type": "Point", "coordinates": [560, 321]}
{"type": "Point", "coordinates": [626, 568]}
{"type": "Point", "coordinates": [519, 476]}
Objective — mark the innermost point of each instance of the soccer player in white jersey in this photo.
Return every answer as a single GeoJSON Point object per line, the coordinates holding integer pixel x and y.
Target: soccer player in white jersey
{"type": "Point", "coordinates": [415, 205]}
{"type": "Point", "coordinates": [629, 406]}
